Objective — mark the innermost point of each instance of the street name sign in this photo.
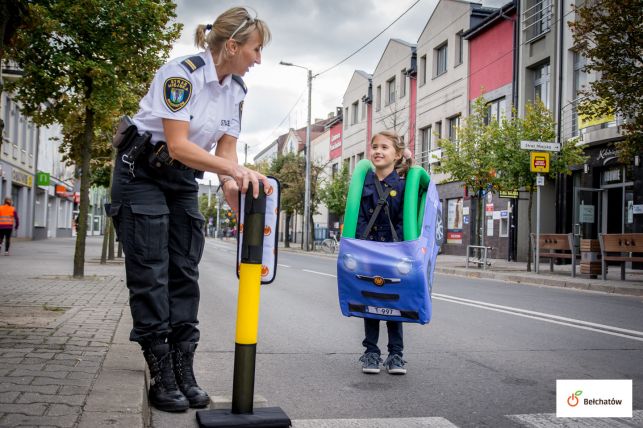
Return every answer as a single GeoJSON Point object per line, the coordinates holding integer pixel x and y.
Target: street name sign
{"type": "Point", "coordinates": [540, 145]}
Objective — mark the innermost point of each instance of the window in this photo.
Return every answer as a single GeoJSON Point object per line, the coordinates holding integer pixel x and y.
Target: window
{"type": "Point", "coordinates": [579, 81]}
{"type": "Point", "coordinates": [454, 124]}
{"type": "Point", "coordinates": [360, 156]}
{"type": "Point", "coordinates": [346, 117]}
{"type": "Point", "coordinates": [425, 145]}
{"type": "Point", "coordinates": [459, 48]}
{"type": "Point", "coordinates": [541, 84]}
{"type": "Point", "coordinates": [378, 98]}
{"type": "Point", "coordinates": [440, 56]}
{"type": "Point", "coordinates": [422, 69]}
{"type": "Point", "coordinates": [7, 116]}
{"type": "Point", "coordinates": [390, 91]}
{"type": "Point", "coordinates": [334, 170]}
{"type": "Point", "coordinates": [504, 224]}
{"type": "Point", "coordinates": [537, 18]}
{"type": "Point", "coordinates": [354, 111]}
{"type": "Point", "coordinates": [496, 109]}
{"type": "Point", "coordinates": [438, 130]}
{"type": "Point", "coordinates": [402, 83]}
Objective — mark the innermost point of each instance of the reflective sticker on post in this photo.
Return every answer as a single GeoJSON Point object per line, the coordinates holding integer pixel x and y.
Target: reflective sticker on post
{"type": "Point", "coordinates": [270, 232]}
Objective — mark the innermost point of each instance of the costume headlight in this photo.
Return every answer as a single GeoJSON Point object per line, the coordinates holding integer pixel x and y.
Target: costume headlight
{"type": "Point", "coordinates": [404, 266]}
{"type": "Point", "coordinates": [349, 262]}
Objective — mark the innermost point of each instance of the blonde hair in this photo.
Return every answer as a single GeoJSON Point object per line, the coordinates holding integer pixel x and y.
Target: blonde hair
{"type": "Point", "coordinates": [236, 22]}
{"type": "Point", "coordinates": [404, 163]}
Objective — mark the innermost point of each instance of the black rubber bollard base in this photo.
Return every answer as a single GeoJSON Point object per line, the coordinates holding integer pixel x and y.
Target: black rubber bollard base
{"type": "Point", "coordinates": [265, 417]}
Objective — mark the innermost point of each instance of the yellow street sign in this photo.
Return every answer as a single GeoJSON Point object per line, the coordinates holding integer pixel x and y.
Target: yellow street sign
{"type": "Point", "coordinates": [539, 161]}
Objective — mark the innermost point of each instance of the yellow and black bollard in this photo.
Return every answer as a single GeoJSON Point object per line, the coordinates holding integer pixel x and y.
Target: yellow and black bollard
{"type": "Point", "coordinates": [245, 350]}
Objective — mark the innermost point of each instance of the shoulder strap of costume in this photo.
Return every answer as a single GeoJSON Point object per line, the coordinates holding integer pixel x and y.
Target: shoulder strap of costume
{"type": "Point", "coordinates": [241, 83]}
{"type": "Point", "coordinates": [381, 202]}
{"type": "Point", "coordinates": [193, 63]}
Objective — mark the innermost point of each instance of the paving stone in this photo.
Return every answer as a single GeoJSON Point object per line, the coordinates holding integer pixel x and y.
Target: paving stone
{"type": "Point", "coordinates": [55, 375]}
{"type": "Point", "coordinates": [9, 397]}
{"type": "Point", "coordinates": [63, 382]}
{"type": "Point", "coordinates": [74, 390]}
{"type": "Point", "coordinates": [11, 420]}
{"type": "Point", "coordinates": [32, 397]}
{"type": "Point", "coordinates": [44, 389]}
{"type": "Point", "coordinates": [64, 410]}
{"type": "Point", "coordinates": [69, 368]}
{"type": "Point", "coordinates": [81, 375]}
{"type": "Point", "coordinates": [25, 380]}
{"type": "Point", "coordinates": [25, 409]}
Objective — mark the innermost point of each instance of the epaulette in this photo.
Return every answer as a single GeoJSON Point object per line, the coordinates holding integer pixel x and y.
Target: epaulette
{"type": "Point", "coordinates": [241, 83]}
{"type": "Point", "coordinates": [193, 63]}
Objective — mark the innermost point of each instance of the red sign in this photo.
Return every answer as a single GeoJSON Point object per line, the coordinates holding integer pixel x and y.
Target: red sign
{"type": "Point", "coordinates": [336, 141]}
{"type": "Point", "coordinates": [488, 208]}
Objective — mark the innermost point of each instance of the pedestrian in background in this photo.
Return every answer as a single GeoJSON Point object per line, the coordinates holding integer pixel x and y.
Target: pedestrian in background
{"type": "Point", "coordinates": [391, 162]}
{"type": "Point", "coordinates": [8, 222]}
{"type": "Point", "coordinates": [193, 107]}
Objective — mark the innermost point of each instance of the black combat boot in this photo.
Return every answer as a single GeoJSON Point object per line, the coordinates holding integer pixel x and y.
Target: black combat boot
{"type": "Point", "coordinates": [184, 372]}
{"type": "Point", "coordinates": [164, 393]}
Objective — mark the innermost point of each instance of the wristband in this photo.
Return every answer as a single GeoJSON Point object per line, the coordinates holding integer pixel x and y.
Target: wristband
{"type": "Point", "coordinates": [223, 181]}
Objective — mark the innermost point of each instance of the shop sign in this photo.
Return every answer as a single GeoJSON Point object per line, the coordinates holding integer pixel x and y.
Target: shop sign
{"type": "Point", "coordinates": [637, 209]}
{"type": "Point", "coordinates": [586, 213]}
{"type": "Point", "coordinates": [512, 194]}
{"type": "Point", "coordinates": [19, 177]}
{"type": "Point", "coordinates": [43, 178]}
{"type": "Point", "coordinates": [585, 121]}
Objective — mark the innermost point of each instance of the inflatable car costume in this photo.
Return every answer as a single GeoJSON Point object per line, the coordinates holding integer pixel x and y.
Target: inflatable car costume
{"type": "Point", "coordinates": [391, 281]}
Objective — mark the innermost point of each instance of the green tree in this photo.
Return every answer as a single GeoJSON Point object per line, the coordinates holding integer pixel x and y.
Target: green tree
{"type": "Point", "coordinates": [335, 192]}
{"type": "Point", "coordinates": [85, 63]}
{"type": "Point", "coordinates": [610, 35]}
{"type": "Point", "coordinates": [209, 211]}
{"type": "Point", "coordinates": [514, 171]}
{"type": "Point", "coordinates": [471, 157]}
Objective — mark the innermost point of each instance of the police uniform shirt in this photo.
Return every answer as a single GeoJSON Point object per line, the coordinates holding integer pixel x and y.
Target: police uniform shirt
{"type": "Point", "coordinates": [188, 89]}
{"type": "Point", "coordinates": [381, 230]}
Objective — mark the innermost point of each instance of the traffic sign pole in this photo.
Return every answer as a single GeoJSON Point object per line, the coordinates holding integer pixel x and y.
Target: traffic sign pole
{"type": "Point", "coordinates": [537, 261]}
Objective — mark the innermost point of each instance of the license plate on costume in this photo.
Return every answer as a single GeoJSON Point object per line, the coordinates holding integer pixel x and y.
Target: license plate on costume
{"type": "Point", "coordinates": [383, 311]}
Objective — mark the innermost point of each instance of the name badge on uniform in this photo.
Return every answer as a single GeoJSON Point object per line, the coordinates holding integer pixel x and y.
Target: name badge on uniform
{"type": "Point", "coordinates": [177, 93]}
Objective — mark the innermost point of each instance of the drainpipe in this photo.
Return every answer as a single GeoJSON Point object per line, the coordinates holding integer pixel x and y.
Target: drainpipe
{"type": "Point", "coordinates": [513, 224]}
{"type": "Point", "coordinates": [561, 180]}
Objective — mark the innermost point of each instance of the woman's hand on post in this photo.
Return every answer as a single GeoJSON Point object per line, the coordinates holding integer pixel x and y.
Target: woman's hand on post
{"type": "Point", "coordinates": [244, 176]}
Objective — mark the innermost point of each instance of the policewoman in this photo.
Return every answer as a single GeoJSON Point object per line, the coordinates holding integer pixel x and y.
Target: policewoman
{"type": "Point", "coordinates": [188, 122]}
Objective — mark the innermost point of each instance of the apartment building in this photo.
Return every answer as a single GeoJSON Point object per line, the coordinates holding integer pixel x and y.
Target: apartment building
{"type": "Point", "coordinates": [391, 98]}
{"type": "Point", "coordinates": [442, 102]}
{"type": "Point", "coordinates": [357, 121]}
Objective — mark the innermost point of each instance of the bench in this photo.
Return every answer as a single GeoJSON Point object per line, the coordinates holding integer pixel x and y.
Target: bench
{"type": "Point", "coordinates": [625, 244]}
{"type": "Point", "coordinates": [550, 245]}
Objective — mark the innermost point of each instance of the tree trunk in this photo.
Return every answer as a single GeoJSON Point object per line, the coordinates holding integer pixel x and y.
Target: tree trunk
{"type": "Point", "coordinates": [287, 231]}
{"type": "Point", "coordinates": [311, 236]}
{"type": "Point", "coordinates": [531, 200]}
{"type": "Point", "coordinates": [103, 253]}
{"type": "Point", "coordinates": [110, 246]}
{"type": "Point", "coordinates": [479, 217]}
{"type": "Point", "coordinates": [85, 178]}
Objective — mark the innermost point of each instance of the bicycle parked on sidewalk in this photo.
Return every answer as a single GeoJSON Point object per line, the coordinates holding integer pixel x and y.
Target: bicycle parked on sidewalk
{"type": "Point", "coordinates": [330, 245]}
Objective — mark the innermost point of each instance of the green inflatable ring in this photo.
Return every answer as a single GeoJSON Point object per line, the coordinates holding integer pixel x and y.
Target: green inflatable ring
{"type": "Point", "coordinates": [417, 183]}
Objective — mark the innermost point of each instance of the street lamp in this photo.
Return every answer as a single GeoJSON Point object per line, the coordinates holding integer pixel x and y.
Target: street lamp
{"type": "Point", "coordinates": [307, 156]}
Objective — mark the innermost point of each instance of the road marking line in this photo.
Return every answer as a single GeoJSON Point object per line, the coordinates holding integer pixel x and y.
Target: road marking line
{"type": "Point", "coordinates": [570, 322]}
{"type": "Point", "coordinates": [426, 422]}
{"type": "Point", "coordinates": [319, 273]}
{"type": "Point", "coordinates": [279, 264]}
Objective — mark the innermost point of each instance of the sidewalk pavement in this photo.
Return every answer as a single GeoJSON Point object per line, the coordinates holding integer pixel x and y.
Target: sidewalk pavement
{"type": "Point", "coordinates": [65, 356]}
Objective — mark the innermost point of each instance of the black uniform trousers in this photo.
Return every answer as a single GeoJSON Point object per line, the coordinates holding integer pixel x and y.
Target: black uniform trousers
{"type": "Point", "coordinates": [156, 215]}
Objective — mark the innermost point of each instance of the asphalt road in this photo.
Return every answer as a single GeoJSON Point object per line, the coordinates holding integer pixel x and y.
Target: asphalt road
{"type": "Point", "coordinates": [490, 356]}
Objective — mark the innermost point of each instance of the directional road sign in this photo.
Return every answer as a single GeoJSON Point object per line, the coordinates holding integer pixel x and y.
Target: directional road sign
{"type": "Point", "coordinates": [540, 145]}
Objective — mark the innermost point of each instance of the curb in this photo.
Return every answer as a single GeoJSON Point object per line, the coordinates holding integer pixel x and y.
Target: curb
{"type": "Point", "coordinates": [118, 396]}
{"type": "Point", "coordinates": [542, 281]}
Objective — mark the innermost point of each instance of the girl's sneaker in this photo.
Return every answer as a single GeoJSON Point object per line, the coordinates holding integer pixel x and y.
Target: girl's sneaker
{"type": "Point", "coordinates": [395, 364]}
{"type": "Point", "coordinates": [370, 362]}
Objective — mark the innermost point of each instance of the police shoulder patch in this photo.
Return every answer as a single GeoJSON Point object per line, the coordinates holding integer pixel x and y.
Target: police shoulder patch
{"type": "Point", "coordinates": [193, 63]}
{"type": "Point", "coordinates": [177, 92]}
{"type": "Point", "coordinates": [240, 82]}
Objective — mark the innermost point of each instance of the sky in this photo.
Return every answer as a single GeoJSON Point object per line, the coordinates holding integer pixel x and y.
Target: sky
{"type": "Point", "coordinates": [315, 34]}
